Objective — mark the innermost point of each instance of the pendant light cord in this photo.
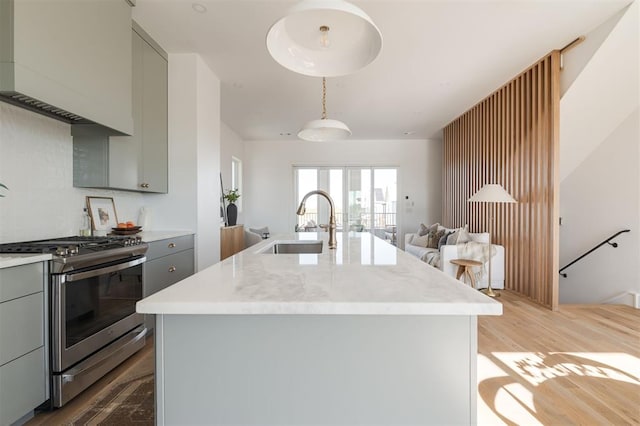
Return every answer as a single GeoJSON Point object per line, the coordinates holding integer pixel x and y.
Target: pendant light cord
{"type": "Point", "coordinates": [324, 98]}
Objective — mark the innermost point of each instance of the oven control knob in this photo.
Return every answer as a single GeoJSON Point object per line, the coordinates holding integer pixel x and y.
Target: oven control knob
{"type": "Point", "coordinates": [62, 251]}
{"type": "Point", "coordinates": [127, 242]}
{"type": "Point", "coordinates": [73, 250]}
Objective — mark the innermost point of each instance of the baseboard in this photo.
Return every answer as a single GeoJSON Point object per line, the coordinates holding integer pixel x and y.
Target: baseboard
{"type": "Point", "coordinates": [629, 298]}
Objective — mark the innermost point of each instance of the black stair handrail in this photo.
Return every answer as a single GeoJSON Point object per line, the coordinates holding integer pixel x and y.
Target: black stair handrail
{"type": "Point", "coordinates": [607, 241]}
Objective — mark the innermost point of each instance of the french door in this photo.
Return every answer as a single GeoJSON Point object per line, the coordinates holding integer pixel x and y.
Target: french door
{"type": "Point", "coordinates": [365, 198]}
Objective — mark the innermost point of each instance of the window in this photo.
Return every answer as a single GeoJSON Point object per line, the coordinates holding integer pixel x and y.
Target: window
{"type": "Point", "coordinates": [236, 179]}
{"type": "Point", "coordinates": [369, 194]}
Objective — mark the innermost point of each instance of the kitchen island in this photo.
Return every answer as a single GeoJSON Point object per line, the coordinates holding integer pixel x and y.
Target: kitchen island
{"type": "Point", "coordinates": [364, 334]}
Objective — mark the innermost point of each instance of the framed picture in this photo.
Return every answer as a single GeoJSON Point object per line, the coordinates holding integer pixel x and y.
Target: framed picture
{"type": "Point", "coordinates": [103, 213]}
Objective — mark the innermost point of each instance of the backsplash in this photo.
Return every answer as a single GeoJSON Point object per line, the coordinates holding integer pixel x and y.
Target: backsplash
{"type": "Point", "coordinates": [36, 163]}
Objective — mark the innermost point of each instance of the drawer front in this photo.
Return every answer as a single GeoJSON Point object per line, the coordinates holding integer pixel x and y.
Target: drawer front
{"type": "Point", "coordinates": [161, 273]}
{"type": "Point", "coordinates": [21, 280]}
{"type": "Point", "coordinates": [22, 386]}
{"type": "Point", "coordinates": [169, 246]}
{"type": "Point", "coordinates": [21, 326]}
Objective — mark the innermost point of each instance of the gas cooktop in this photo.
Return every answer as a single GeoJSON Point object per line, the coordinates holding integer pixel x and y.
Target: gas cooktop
{"type": "Point", "coordinates": [70, 245]}
{"type": "Point", "coordinates": [79, 252]}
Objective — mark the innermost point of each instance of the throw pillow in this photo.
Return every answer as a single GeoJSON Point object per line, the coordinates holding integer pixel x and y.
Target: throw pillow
{"type": "Point", "coordinates": [420, 241]}
{"type": "Point", "coordinates": [459, 237]}
{"type": "Point", "coordinates": [434, 238]}
{"type": "Point", "coordinates": [424, 229]}
{"type": "Point", "coordinates": [443, 239]}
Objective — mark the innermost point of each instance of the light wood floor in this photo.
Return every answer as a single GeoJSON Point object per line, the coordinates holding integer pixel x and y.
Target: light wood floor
{"type": "Point", "coordinates": [141, 363]}
{"type": "Point", "coordinates": [579, 365]}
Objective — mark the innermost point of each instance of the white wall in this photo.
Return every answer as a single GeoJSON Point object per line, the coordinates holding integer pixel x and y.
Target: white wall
{"type": "Point", "coordinates": [194, 162]}
{"type": "Point", "coordinates": [600, 198]}
{"type": "Point", "coordinates": [231, 145]}
{"type": "Point", "coordinates": [36, 163]}
{"type": "Point", "coordinates": [602, 95]}
{"type": "Point", "coordinates": [269, 185]}
{"type": "Point", "coordinates": [599, 168]}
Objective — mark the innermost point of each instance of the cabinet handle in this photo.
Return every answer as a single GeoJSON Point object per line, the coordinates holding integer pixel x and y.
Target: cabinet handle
{"type": "Point", "coordinates": [144, 185]}
{"type": "Point", "coordinates": [172, 269]}
{"type": "Point", "coordinates": [171, 245]}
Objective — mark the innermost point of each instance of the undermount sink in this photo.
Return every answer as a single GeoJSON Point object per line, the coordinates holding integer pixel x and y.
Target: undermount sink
{"type": "Point", "coordinates": [295, 247]}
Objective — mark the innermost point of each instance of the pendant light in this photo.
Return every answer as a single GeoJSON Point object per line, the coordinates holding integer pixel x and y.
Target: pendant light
{"type": "Point", "coordinates": [324, 129]}
{"type": "Point", "coordinates": [324, 38]}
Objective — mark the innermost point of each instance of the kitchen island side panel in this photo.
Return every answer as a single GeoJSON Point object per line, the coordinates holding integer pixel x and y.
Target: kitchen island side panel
{"type": "Point", "coordinates": [306, 369]}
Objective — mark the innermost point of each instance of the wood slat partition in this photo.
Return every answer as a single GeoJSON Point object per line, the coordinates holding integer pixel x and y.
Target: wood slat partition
{"type": "Point", "coordinates": [511, 138]}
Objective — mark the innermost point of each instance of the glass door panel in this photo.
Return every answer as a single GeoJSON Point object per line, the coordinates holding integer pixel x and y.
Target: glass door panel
{"type": "Point", "coordinates": [307, 180]}
{"type": "Point", "coordinates": [336, 191]}
{"type": "Point", "coordinates": [359, 199]}
{"type": "Point", "coordinates": [385, 204]}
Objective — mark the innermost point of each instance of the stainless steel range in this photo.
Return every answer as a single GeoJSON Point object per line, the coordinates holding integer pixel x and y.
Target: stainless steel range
{"type": "Point", "coordinates": [95, 283]}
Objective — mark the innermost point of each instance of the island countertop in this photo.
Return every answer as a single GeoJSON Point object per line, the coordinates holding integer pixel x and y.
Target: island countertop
{"type": "Point", "coordinates": [363, 276]}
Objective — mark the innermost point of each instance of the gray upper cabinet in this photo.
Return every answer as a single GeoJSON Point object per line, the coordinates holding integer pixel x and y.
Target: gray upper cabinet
{"type": "Point", "coordinates": [70, 60]}
{"type": "Point", "coordinates": [138, 162]}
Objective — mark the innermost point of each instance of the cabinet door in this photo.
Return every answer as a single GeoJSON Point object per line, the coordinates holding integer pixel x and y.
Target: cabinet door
{"type": "Point", "coordinates": [138, 162]}
{"type": "Point", "coordinates": [154, 120]}
{"type": "Point", "coordinates": [231, 240]}
{"type": "Point", "coordinates": [22, 386]}
{"type": "Point", "coordinates": [125, 152]}
{"type": "Point", "coordinates": [21, 326]}
{"type": "Point", "coordinates": [169, 246]}
{"type": "Point", "coordinates": [163, 272]}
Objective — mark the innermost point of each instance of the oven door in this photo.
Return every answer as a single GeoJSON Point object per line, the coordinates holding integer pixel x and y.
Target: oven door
{"type": "Point", "coordinates": [91, 308]}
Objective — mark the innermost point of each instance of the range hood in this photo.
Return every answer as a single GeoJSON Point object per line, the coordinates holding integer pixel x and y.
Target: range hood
{"type": "Point", "coordinates": [86, 81]}
{"type": "Point", "coordinates": [42, 108]}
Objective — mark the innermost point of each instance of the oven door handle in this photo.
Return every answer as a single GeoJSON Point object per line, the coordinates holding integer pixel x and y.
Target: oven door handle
{"type": "Point", "coordinates": [102, 271]}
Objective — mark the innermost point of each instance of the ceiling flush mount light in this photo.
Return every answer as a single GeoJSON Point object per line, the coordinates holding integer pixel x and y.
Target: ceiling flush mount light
{"type": "Point", "coordinates": [324, 129]}
{"type": "Point", "coordinates": [324, 38]}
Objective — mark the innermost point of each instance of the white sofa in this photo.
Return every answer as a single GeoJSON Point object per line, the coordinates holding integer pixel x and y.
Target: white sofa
{"type": "Point", "coordinates": [450, 252]}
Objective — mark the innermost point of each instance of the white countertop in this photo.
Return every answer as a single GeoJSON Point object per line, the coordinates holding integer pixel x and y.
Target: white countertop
{"type": "Point", "coordinates": [7, 260]}
{"type": "Point", "coordinates": [363, 276]}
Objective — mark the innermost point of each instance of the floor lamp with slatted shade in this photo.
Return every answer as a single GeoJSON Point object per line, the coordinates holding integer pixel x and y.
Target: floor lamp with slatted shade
{"type": "Point", "coordinates": [491, 193]}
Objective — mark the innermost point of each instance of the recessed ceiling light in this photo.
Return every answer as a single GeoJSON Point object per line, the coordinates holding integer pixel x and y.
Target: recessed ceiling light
{"type": "Point", "coordinates": [200, 8]}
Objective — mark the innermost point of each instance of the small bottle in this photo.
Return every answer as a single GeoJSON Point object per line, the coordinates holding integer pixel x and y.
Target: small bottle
{"type": "Point", "coordinates": [85, 224]}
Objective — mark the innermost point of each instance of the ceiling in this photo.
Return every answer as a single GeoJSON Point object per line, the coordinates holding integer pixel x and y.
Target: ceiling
{"type": "Point", "coordinates": [439, 58]}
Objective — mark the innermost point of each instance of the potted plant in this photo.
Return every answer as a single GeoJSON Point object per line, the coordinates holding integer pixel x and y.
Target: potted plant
{"type": "Point", "coordinates": [232, 196]}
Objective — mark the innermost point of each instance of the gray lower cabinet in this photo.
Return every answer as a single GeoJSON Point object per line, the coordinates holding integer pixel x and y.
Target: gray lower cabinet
{"type": "Point", "coordinates": [168, 261]}
{"type": "Point", "coordinates": [138, 162]}
{"type": "Point", "coordinates": [23, 360]}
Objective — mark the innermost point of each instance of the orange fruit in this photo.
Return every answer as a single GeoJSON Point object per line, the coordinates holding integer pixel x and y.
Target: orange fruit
{"type": "Point", "coordinates": [130, 224]}
{"type": "Point", "coordinates": [122, 225]}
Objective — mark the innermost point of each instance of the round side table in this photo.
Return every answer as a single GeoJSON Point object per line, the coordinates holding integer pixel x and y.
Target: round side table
{"type": "Point", "coordinates": [464, 268]}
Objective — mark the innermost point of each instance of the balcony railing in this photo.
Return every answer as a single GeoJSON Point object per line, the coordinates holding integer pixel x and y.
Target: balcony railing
{"type": "Point", "coordinates": [379, 221]}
